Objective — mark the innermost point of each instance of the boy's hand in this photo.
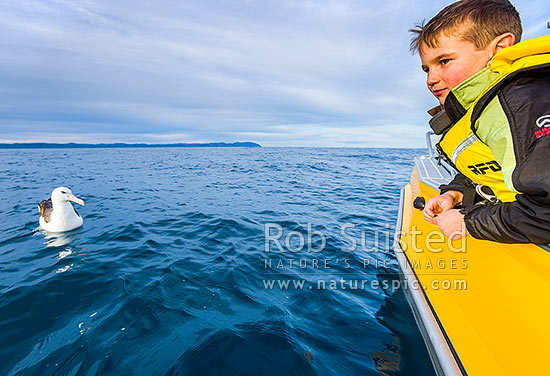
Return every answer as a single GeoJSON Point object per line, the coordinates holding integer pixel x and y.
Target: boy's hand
{"type": "Point", "coordinates": [440, 204]}
{"type": "Point", "coordinates": [451, 223]}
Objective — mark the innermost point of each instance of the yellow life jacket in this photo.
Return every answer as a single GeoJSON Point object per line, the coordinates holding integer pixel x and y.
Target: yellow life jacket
{"type": "Point", "coordinates": [460, 144]}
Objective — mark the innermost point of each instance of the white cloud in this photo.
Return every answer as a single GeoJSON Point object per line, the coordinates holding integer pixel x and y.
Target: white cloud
{"type": "Point", "coordinates": [287, 72]}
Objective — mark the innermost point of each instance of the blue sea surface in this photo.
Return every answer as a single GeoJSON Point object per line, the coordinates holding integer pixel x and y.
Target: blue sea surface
{"type": "Point", "coordinates": [170, 274]}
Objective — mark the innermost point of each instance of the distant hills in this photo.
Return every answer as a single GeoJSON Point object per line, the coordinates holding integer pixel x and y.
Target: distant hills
{"type": "Point", "coordinates": [72, 145]}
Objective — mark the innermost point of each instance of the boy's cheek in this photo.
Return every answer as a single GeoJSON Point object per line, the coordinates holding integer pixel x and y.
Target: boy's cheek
{"type": "Point", "coordinates": [455, 78]}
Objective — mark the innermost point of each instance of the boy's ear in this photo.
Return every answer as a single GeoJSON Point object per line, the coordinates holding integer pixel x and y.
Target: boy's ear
{"type": "Point", "coordinates": [503, 41]}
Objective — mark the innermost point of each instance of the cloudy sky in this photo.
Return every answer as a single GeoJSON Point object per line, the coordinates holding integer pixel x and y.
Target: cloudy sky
{"type": "Point", "coordinates": [277, 72]}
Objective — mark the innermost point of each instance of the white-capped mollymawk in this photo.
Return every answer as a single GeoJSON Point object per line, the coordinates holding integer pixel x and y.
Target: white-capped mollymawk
{"type": "Point", "coordinates": [57, 214]}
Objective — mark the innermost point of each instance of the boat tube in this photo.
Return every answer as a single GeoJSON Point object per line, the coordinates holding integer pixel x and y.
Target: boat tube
{"type": "Point", "coordinates": [483, 308]}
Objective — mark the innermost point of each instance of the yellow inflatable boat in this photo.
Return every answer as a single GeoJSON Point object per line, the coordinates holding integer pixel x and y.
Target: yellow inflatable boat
{"type": "Point", "coordinates": [483, 308]}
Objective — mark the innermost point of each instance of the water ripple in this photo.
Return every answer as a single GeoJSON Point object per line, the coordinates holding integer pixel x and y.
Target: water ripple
{"type": "Point", "coordinates": [167, 274]}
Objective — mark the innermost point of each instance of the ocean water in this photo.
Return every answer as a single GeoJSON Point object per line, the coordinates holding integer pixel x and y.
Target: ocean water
{"type": "Point", "coordinates": [170, 274]}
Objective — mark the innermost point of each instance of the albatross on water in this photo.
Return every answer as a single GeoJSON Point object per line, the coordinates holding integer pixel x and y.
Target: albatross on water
{"type": "Point", "coordinates": [57, 214]}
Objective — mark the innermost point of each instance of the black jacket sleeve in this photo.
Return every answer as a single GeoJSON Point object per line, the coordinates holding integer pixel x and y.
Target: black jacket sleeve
{"type": "Point", "coordinates": [522, 221]}
{"type": "Point", "coordinates": [526, 103]}
{"type": "Point", "coordinates": [459, 183]}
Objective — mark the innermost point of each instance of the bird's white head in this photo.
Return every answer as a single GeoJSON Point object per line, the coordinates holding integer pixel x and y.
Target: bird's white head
{"type": "Point", "coordinates": [63, 194]}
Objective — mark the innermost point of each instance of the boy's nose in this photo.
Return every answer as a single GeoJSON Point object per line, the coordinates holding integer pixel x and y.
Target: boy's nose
{"type": "Point", "coordinates": [431, 78]}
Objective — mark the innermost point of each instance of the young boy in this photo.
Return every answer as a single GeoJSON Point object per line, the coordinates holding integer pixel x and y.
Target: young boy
{"type": "Point", "coordinates": [494, 118]}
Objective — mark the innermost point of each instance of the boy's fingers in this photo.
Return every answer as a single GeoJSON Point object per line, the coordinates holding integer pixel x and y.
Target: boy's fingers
{"type": "Point", "coordinates": [429, 209]}
{"type": "Point", "coordinates": [428, 213]}
{"type": "Point", "coordinates": [434, 207]}
{"type": "Point", "coordinates": [428, 218]}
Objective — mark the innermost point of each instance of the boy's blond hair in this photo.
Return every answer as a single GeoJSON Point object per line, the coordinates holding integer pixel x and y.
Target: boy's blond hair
{"type": "Point", "coordinates": [475, 21]}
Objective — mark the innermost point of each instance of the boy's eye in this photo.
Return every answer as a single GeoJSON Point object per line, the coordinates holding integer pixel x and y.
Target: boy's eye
{"type": "Point", "coordinates": [425, 69]}
{"type": "Point", "coordinates": [444, 61]}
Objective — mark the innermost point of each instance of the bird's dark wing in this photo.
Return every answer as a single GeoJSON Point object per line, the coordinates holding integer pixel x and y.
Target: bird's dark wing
{"type": "Point", "coordinates": [45, 207]}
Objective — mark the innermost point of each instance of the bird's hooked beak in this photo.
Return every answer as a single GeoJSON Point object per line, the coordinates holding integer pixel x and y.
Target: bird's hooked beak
{"type": "Point", "coordinates": [73, 198]}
